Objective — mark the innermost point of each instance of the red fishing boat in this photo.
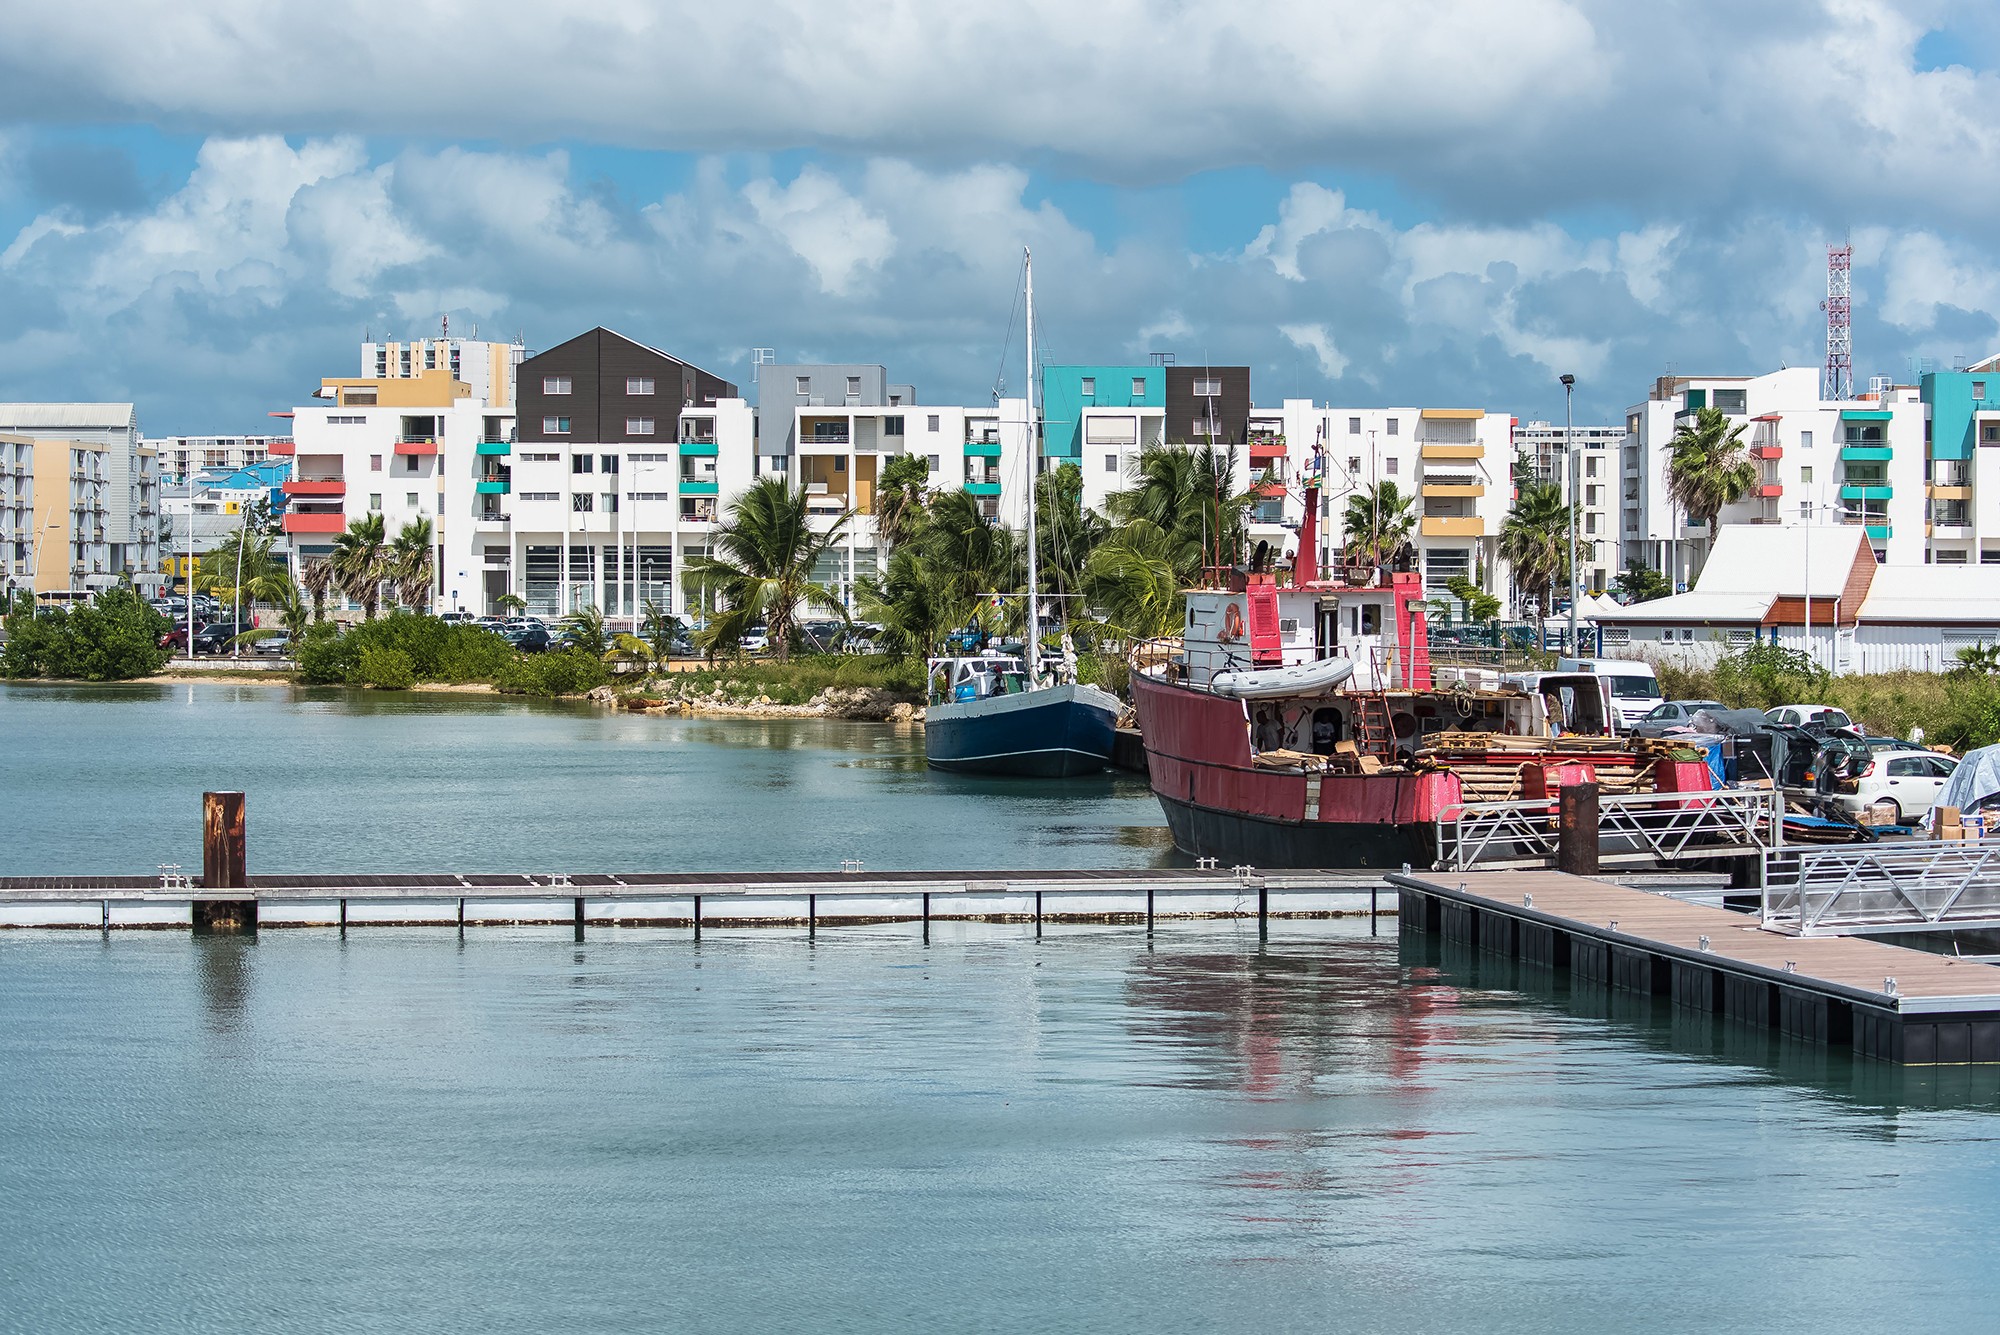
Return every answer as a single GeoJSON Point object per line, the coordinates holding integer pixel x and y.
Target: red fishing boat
{"type": "Point", "coordinates": [1303, 724]}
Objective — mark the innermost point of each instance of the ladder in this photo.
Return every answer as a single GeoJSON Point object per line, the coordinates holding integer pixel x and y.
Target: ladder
{"type": "Point", "coordinates": [1374, 735]}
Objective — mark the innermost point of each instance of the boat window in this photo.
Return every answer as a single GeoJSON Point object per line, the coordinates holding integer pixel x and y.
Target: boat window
{"type": "Point", "coordinates": [1371, 618]}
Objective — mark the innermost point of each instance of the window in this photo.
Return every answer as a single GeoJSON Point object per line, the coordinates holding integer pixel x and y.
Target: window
{"type": "Point", "coordinates": [611, 502]}
{"type": "Point", "coordinates": [932, 459]}
{"type": "Point", "coordinates": [803, 386]}
{"type": "Point", "coordinates": [638, 384]}
{"type": "Point", "coordinates": [1138, 387]}
{"type": "Point", "coordinates": [608, 464]}
{"type": "Point", "coordinates": [1978, 391]}
{"type": "Point", "coordinates": [1201, 429]}
{"type": "Point", "coordinates": [1946, 558]}
{"type": "Point", "coordinates": [1110, 463]}
{"type": "Point", "coordinates": [1730, 401]}
{"type": "Point", "coordinates": [580, 503]}
{"type": "Point", "coordinates": [1989, 433]}
{"type": "Point", "coordinates": [892, 426]}
{"type": "Point", "coordinates": [409, 463]}
{"type": "Point", "coordinates": [1389, 466]}
{"type": "Point", "coordinates": [581, 463]}
{"type": "Point", "coordinates": [346, 421]}
{"type": "Point", "coordinates": [1590, 468]}
{"type": "Point", "coordinates": [555, 384]}
{"type": "Point", "coordinates": [555, 426]}
{"type": "Point", "coordinates": [1392, 425]}
{"type": "Point", "coordinates": [1590, 496]}
{"type": "Point", "coordinates": [374, 463]}
{"type": "Point", "coordinates": [638, 426]}
{"type": "Point", "coordinates": [1208, 389]}
{"type": "Point", "coordinates": [375, 501]}
{"type": "Point", "coordinates": [854, 387]}
{"type": "Point", "coordinates": [895, 400]}
{"type": "Point", "coordinates": [1353, 426]}
{"type": "Point", "coordinates": [1805, 473]}
{"type": "Point", "coordinates": [1089, 384]}
{"type": "Point", "coordinates": [934, 421]}
{"type": "Point", "coordinates": [540, 458]}
{"type": "Point", "coordinates": [1805, 440]}
{"type": "Point", "coordinates": [538, 496]}
{"type": "Point", "coordinates": [840, 465]}
{"type": "Point", "coordinates": [411, 500]}
{"type": "Point", "coordinates": [1590, 522]}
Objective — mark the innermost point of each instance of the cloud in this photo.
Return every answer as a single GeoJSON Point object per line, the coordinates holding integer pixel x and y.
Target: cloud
{"type": "Point", "coordinates": [235, 291]}
{"type": "Point", "coordinates": [1495, 108]}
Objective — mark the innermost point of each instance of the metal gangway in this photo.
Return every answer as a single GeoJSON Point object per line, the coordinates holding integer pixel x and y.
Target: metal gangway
{"type": "Point", "coordinates": [1858, 889]}
{"type": "Point", "coordinates": [1634, 829]}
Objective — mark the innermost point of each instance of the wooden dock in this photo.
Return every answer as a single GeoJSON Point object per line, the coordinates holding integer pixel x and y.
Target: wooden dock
{"type": "Point", "coordinates": [1888, 1002]}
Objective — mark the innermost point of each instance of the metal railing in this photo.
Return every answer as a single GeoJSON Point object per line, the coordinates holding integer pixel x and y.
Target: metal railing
{"type": "Point", "coordinates": [1632, 827]}
{"type": "Point", "coordinates": [1885, 887]}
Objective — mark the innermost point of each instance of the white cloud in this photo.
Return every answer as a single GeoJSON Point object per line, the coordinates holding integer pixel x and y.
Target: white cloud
{"type": "Point", "coordinates": [824, 225]}
{"type": "Point", "coordinates": [1315, 339]}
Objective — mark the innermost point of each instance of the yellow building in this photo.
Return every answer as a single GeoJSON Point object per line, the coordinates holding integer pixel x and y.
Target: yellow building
{"type": "Point", "coordinates": [69, 546]}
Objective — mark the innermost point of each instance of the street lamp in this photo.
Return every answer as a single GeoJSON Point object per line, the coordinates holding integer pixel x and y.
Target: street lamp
{"type": "Point", "coordinates": [1575, 474]}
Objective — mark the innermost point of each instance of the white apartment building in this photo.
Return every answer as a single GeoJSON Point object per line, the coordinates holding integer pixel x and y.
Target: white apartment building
{"type": "Point", "coordinates": [1860, 461]}
{"type": "Point", "coordinates": [17, 511]}
{"type": "Point", "coordinates": [486, 368]}
{"type": "Point", "coordinates": [181, 457]}
{"type": "Point", "coordinates": [91, 456]}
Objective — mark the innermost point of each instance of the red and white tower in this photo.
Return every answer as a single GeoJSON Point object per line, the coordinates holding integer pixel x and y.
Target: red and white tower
{"type": "Point", "coordinates": [1838, 381]}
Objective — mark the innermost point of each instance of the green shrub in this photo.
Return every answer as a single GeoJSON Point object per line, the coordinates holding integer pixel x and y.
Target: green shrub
{"type": "Point", "coordinates": [114, 637]}
{"type": "Point", "coordinates": [564, 672]}
{"type": "Point", "coordinates": [805, 676]}
{"type": "Point", "coordinates": [324, 656]}
{"type": "Point", "coordinates": [383, 669]}
{"type": "Point", "coordinates": [1109, 671]}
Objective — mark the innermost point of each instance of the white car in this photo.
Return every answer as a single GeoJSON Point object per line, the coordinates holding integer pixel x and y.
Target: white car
{"type": "Point", "coordinates": [1810, 716]}
{"type": "Point", "coordinates": [1908, 781]}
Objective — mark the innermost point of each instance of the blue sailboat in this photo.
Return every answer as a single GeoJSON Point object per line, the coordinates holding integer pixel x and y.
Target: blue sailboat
{"type": "Point", "coordinates": [998, 713]}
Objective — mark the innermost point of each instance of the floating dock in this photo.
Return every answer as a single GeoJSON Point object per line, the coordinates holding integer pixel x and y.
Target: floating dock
{"type": "Point", "coordinates": [1887, 1002]}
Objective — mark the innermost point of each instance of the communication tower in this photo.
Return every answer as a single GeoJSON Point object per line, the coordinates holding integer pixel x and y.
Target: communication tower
{"type": "Point", "coordinates": [1838, 380]}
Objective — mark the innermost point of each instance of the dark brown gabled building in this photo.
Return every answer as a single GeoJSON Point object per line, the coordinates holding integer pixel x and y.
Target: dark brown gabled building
{"type": "Point", "coordinates": [1207, 403]}
{"type": "Point", "coordinates": [604, 388]}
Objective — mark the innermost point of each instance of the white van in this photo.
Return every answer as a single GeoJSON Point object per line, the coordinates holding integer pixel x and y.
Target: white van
{"type": "Point", "coordinates": [1635, 688]}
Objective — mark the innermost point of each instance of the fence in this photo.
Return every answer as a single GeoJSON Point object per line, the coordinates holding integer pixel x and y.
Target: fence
{"type": "Point", "coordinates": [1633, 828]}
{"type": "Point", "coordinates": [1860, 888]}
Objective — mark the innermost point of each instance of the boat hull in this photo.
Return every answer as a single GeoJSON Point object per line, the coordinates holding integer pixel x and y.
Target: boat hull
{"type": "Point", "coordinates": [1053, 733]}
{"type": "Point", "coordinates": [1235, 839]}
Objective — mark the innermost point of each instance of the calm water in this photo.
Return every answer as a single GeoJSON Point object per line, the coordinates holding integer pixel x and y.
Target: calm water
{"type": "Point", "coordinates": [110, 780]}
{"type": "Point", "coordinates": [1089, 1132]}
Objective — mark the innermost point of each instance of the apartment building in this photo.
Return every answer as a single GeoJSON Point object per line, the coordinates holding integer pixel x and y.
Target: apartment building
{"type": "Point", "coordinates": [96, 483]}
{"type": "Point", "coordinates": [182, 457]}
{"type": "Point", "coordinates": [1962, 485]}
{"type": "Point", "coordinates": [1861, 462]}
{"type": "Point", "coordinates": [18, 532]}
{"type": "Point", "coordinates": [1546, 443]}
{"type": "Point", "coordinates": [1102, 418]}
{"type": "Point", "coordinates": [612, 480]}
{"type": "Point", "coordinates": [488, 369]}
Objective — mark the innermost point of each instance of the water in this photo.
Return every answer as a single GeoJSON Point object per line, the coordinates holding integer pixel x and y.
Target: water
{"type": "Point", "coordinates": [1093, 1131]}
{"type": "Point", "coordinates": [109, 780]}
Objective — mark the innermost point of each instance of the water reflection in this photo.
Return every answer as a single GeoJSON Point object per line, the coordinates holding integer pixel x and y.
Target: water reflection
{"type": "Point", "coordinates": [222, 968]}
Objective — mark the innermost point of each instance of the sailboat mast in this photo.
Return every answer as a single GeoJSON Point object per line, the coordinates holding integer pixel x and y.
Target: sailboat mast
{"type": "Point", "coordinates": [1034, 458]}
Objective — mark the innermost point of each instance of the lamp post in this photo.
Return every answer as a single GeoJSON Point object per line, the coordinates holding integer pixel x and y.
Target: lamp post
{"type": "Point", "coordinates": [1575, 471]}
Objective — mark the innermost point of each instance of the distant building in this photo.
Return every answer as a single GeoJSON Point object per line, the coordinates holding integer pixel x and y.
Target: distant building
{"type": "Point", "coordinates": [91, 495]}
{"type": "Point", "coordinates": [181, 457]}
{"type": "Point", "coordinates": [487, 369]}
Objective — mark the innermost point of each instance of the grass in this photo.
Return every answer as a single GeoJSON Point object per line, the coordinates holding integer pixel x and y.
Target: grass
{"type": "Point", "coordinates": [798, 681]}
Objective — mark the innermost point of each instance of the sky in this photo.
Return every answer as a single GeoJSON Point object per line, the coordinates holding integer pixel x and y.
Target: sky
{"type": "Point", "coordinates": [204, 208]}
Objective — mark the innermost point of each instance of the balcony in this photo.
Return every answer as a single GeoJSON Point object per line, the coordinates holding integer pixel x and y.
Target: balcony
{"type": "Point", "coordinates": [1434, 451]}
{"type": "Point", "coordinates": [1443, 527]}
{"type": "Point", "coordinates": [1769, 489]}
{"type": "Point", "coordinates": [283, 448]}
{"type": "Point", "coordinates": [983, 488]}
{"type": "Point", "coordinates": [1867, 492]}
{"type": "Point", "coordinates": [495, 447]}
{"type": "Point", "coordinates": [491, 486]}
{"type": "Point", "coordinates": [1267, 449]}
{"type": "Point", "coordinates": [1944, 529]}
{"type": "Point", "coordinates": [304, 522]}
{"type": "Point", "coordinates": [315, 486]}
{"type": "Point", "coordinates": [1452, 489]}
{"type": "Point", "coordinates": [1767, 451]}
{"type": "Point", "coordinates": [982, 449]}
{"type": "Point", "coordinates": [418, 447]}
{"type": "Point", "coordinates": [1939, 491]}
{"type": "Point", "coordinates": [1273, 490]}
{"type": "Point", "coordinates": [492, 519]}
{"type": "Point", "coordinates": [1865, 454]}
{"type": "Point", "coordinates": [696, 449]}
{"type": "Point", "coordinates": [698, 487]}
{"type": "Point", "coordinates": [824, 438]}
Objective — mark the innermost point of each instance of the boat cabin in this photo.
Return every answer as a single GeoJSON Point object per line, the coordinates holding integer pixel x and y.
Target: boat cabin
{"type": "Point", "coordinates": [1380, 629]}
{"type": "Point", "coordinates": [975, 677]}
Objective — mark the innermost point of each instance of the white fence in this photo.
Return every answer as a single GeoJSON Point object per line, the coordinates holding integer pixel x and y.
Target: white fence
{"type": "Point", "coordinates": [1887, 887]}
{"type": "Point", "coordinates": [1635, 828]}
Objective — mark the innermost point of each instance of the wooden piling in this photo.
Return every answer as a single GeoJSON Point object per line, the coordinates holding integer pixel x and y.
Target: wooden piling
{"type": "Point", "coordinates": [1576, 830]}
{"type": "Point", "coordinates": [577, 910]}
{"type": "Point", "coordinates": [224, 867]}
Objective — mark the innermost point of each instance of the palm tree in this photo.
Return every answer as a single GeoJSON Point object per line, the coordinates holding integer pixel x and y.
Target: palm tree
{"type": "Point", "coordinates": [1534, 541]}
{"type": "Point", "coordinates": [511, 602]}
{"type": "Point", "coordinates": [918, 601]}
{"type": "Point", "coordinates": [1134, 581]}
{"type": "Point", "coordinates": [1380, 523]}
{"type": "Point", "coordinates": [1066, 533]}
{"type": "Point", "coordinates": [412, 565]}
{"type": "Point", "coordinates": [318, 582]}
{"type": "Point", "coordinates": [900, 499]}
{"type": "Point", "coordinates": [1707, 467]}
{"type": "Point", "coordinates": [658, 627]}
{"type": "Point", "coordinates": [359, 560]}
{"type": "Point", "coordinates": [765, 554]}
{"type": "Point", "coordinates": [1188, 491]}
{"type": "Point", "coordinates": [584, 629]}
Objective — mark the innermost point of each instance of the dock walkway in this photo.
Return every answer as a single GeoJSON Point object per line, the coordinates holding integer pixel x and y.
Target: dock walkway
{"type": "Point", "coordinates": [1887, 1001]}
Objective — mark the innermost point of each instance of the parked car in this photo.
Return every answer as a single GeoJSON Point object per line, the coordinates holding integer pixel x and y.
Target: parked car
{"type": "Point", "coordinates": [1902, 784]}
{"type": "Point", "coordinates": [1672, 714]}
{"type": "Point", "coordinates": [498, 625]}
{"type": "Point", "coordinates": [215, 637]}
{"type": "Point", "coordinates": [1813, 718]}
{"type": "Point", "coordinates": [456, 618]}
{"type": "Point", "coordinates": [273, 646]}
{"type": "Point", "coordinates": [175, 639]}
{"type": "Point", "coordinates": [755, 640]}
{"type": "Point", "coordinates": [528, 639]}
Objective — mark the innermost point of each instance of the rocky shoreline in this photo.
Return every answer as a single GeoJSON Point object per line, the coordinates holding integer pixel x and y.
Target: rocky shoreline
{"type": "Point", "coordinates": [861, 704]}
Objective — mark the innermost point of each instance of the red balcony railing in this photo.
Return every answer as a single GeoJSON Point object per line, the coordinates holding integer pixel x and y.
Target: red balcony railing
{"type": "Point", "coordinates": [416, 447]}
{"type": "Point", "coordinates": [1767, 451]}
{"type": "Point", "coordinates": [329, 486]}
{"type": "Point", "coordinates": [298, 522]}
{"type": "Point", "coordinates": [280, 447]}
